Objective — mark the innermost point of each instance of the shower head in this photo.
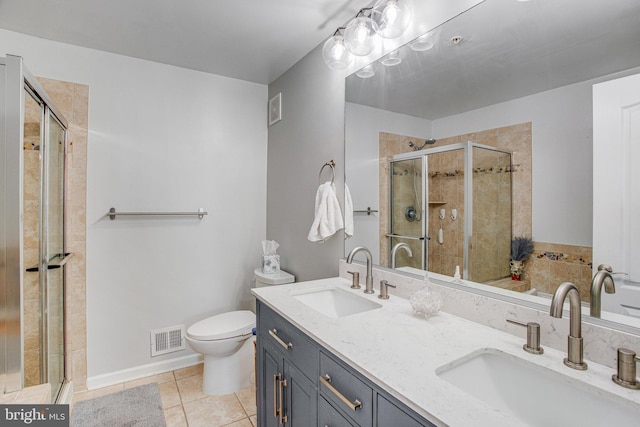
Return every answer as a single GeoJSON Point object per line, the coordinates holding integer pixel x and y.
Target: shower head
{"type": "Point", "coordinates": [429, 141]}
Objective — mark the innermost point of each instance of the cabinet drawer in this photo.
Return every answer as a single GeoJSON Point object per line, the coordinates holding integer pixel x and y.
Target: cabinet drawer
{"type": "Point", "coordinates": [328, 416]}
{"type": "Point", "coordinates": [346, 391]}
{"type": "Point", "coordinates": [299, 350]}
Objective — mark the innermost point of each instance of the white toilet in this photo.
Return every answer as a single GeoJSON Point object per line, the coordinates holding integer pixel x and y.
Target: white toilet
{"type": "Point", "coordinates": [270, 279]}
{"type": "Point", "coordinates": [228, 352]}
{"type": "Point", "coordinates": [224, 340]}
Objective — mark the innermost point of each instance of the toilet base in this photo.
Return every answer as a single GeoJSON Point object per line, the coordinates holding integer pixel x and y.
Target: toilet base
{"type": "Point", "coordinates": [224, 375]}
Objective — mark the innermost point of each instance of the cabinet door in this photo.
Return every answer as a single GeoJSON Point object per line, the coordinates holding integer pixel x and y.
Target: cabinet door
{"type": "Point", "coordinates": [270, 372]}
{"type": "Point", "coordinates": [301, 404]}
{"type": "Point", "coordinates": [391, 415]}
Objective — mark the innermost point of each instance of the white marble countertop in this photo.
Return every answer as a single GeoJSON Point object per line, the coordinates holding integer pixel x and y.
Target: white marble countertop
{"type": "Point", "coordinates": [401, 352]}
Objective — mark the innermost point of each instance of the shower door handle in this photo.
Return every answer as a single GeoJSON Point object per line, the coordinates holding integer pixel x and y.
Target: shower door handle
{"type": "Point", "coordinates": [399, 236]}
{"type": "Point", "coordinates": [63, 261]}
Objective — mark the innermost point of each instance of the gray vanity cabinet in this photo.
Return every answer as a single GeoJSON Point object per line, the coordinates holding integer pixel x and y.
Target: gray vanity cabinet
{"type": "Point", "coordinates": [346, 391]}
{"type": "Point", "coordinates": [301, 384]}
{"type": "Point", "coordinates": [329, 416]}
{"type": "Point", "coordinates": [287, 365]}
{"type": "Point", "coordinates": [389, 414]}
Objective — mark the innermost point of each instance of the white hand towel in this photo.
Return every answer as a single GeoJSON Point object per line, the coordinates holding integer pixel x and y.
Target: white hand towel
{"type": "Point", "coordinates": [348, 213]}
{"type": "Point", "coordinates": [328, 216]}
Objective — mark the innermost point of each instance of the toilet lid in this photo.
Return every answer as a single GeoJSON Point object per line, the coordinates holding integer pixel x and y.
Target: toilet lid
{"type": "Point", "coordinates": [222, 326]}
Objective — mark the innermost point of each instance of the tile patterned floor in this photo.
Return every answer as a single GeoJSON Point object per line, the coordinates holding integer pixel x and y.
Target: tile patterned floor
{"type": "Point", "coordinates": [184, 403]}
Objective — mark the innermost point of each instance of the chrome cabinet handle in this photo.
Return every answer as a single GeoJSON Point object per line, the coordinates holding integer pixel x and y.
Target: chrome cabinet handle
{"type": "Point", "coordinates": [326, 380]}
{"type": "Point", "coordinates": [274, 334]}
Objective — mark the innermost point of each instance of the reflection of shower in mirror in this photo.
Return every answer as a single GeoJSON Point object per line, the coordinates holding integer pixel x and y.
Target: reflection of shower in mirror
{"type": "Point", "coordinates": [430, 141]}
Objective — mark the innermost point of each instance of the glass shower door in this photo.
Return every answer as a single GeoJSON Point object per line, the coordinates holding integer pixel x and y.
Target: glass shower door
{"type": "Point", "coordinates": [44, 245]}
{"type": "Point", "coordinates": [407, 209]}
{"type": "Point", "coordinates": [490, 240]}
{"type": "Point", "coordinates": [54, 256]}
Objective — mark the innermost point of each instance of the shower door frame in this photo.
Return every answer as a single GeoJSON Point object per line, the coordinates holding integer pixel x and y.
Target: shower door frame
{"type": "Point", "coordinates": [18, 80]}
{"type": "Point", "coordinates": [424, 238]}
{"type": "Point", "coordinates": [467, 146]}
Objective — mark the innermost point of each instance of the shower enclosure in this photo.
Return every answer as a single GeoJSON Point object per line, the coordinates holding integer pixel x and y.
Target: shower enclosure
{"type": "Point", "coordinates": [33, 239]}
{"type": "Point", "coordinates": [452, 206]}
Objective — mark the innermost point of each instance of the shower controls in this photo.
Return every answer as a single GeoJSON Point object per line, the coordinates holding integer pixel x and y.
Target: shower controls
{"type": "Point", "coordinates": [454, 214]}
{"type": "Point", "coordinates": [443, 212]}
{"type": "Point", "coordinates": [411, 214]}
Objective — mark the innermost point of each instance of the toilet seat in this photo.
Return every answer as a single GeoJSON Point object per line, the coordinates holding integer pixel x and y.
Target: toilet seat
{"type": "Point", "coordinates": [223, 326]}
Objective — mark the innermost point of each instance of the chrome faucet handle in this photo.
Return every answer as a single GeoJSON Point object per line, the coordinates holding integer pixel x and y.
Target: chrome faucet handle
{"type": "Point", "coordinates": [626, 376]}
{"type": "Point", "coordinates": [533, 336]}
{"type": "Point", "coordinates": [355, 280]}
{"type": "Point", "coordinates": [609, 269]}
{"type": "Point", "coordinates": [384, 289]}
{"type": "Point", "coordinates": [606, 267]}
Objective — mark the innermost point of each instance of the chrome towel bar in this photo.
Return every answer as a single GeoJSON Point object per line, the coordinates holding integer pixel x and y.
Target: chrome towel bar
{"type": "Point", "coordinates": [368, 211]}
{"type": "Point", "coordinates": [200, 214]}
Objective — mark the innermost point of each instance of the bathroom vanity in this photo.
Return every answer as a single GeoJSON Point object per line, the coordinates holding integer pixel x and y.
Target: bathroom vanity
{"type": "Point", "coordinates": [331, 355]}
{"type": "Point", "coordinates": [300, 381]}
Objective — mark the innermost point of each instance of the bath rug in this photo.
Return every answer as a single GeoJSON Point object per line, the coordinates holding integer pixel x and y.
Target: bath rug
{"type": "Point", "coordinates": [139, 406]}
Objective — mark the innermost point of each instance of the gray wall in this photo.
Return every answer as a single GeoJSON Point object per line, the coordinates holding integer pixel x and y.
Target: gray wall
{"type": "Point", "coordinates": [311, 133]}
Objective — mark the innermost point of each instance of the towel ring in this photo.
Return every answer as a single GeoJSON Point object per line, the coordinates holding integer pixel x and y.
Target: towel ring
{"type": "Point", "coordinates": [332, 165]}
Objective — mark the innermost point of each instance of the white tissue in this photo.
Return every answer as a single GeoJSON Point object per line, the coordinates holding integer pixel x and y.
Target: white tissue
{"type": "Point", "coordinates": [269, 247]}
{"type": "Point", "coordinates": [270, 260]}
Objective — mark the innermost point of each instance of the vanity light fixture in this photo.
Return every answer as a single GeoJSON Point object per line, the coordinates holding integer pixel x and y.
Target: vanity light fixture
{"type": "Point", "coordinates": [426, 41]}
{"type": "Point", "coordinates": [366, 72]}
{"type": "Point", "coordinates": [392, 16]}
{"type": "Point", "coordinates": [335, 53]}
{"type": "Point", "coordinates": [387, 18]}
{"type": "Point", "coordinates": [360, 35]}
{"type": "Point", "coordinates": [391, 59]}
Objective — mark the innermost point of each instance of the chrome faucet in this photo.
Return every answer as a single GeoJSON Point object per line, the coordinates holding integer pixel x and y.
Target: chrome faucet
{"type": "Point", "coordinates": [368, 288]}
{"type": "Point", "coordinates": [395, 250]}
{"type": "Point", "coordinates": [575, 346]}
{"type": "Point", "coordinates": [384, 289]}
{"type": "Point", "coordinates": [602, 277]}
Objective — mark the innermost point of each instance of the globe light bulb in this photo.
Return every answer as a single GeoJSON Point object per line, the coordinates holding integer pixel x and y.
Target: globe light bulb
{"type": "Point", "coordinates": [360, 36]}
{"type": "Point", "coordinates": [335, 53]}
{"type": "Point", "coordinates": [392, 16]}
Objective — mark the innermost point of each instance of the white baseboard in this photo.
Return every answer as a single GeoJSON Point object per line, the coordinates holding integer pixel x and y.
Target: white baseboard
{"type": "Point", "coordinates": [130, 374]}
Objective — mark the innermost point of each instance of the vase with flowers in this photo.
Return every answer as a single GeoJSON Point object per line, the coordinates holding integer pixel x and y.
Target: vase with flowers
{"type": "Point", "coordinates": [521, 250]}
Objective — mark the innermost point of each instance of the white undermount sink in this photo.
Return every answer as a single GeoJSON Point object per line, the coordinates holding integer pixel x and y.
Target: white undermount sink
{"type": "Point", "coordinates": [335, 302]}
{"type": "Point", "coordinates": [535, 395]}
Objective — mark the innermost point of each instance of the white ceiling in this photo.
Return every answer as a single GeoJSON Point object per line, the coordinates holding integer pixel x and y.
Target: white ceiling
{"type": "Point", "coordinates": [253, 40]}
{"type": "Point", "coordinates": [510, 49]}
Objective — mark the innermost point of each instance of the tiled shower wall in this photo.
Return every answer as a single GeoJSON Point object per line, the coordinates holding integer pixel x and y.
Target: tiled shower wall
{"type": "Point", "coordinates": [31, 202]}
{"type": "Point", "coordinates": [549, 265]}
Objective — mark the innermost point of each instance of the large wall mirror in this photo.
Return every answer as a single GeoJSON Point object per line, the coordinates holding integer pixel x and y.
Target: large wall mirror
{"type": "Point", "coordinates": [479, 136]}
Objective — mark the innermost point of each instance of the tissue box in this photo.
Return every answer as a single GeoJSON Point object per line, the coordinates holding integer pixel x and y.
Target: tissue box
{"type": "Point", "coordinates": [270, 263]}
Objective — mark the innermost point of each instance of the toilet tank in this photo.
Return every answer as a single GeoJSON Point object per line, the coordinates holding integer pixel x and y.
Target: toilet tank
{"type": "Point", "coordinates": [269, 279]}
